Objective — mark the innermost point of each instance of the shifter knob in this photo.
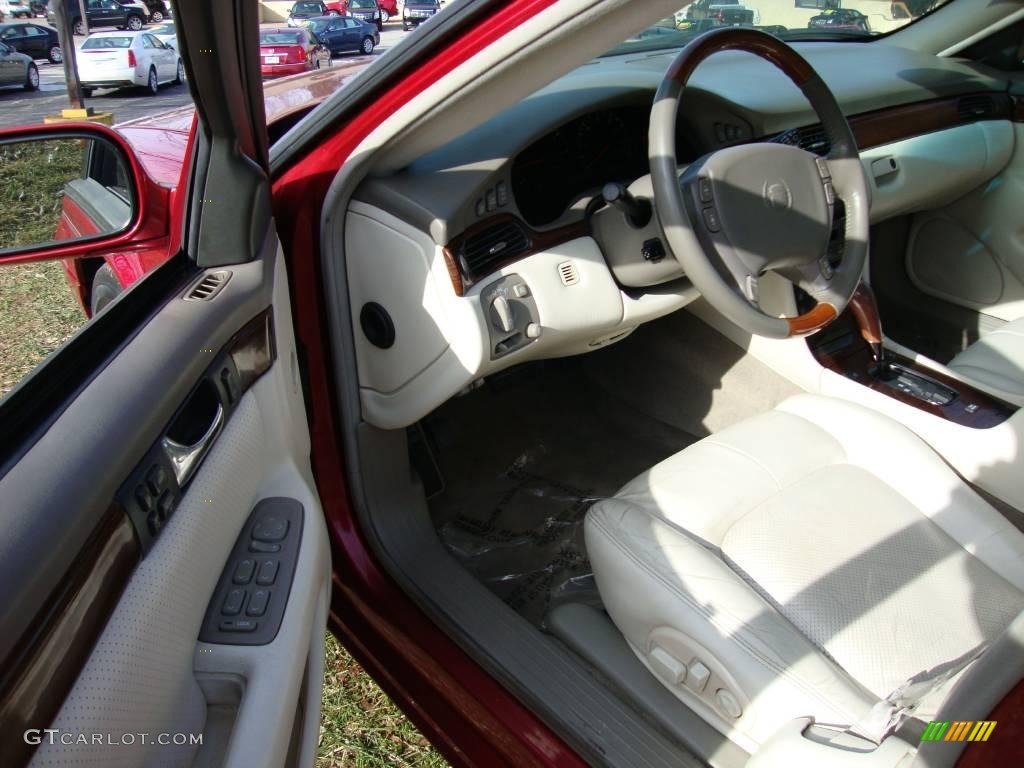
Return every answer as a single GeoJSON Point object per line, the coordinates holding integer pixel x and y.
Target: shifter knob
{"type": "Point", "coordinates": [637, 212]}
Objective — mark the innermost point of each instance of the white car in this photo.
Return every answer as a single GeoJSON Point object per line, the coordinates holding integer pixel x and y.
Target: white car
{"type": "Point", "coordinates": [119, 59]}
{"type": "Point", "coordinates": [166, 33]}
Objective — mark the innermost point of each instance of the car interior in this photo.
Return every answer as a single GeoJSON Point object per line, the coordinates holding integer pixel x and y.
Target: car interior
{"type": "Point", "coordinates": [683, 388]}
{"type": "Point", "coordinates": [677, 379]}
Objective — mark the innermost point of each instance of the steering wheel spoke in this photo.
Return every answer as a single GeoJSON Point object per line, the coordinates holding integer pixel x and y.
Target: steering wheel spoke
{"type": "Point", "coordinates": [744, 210]}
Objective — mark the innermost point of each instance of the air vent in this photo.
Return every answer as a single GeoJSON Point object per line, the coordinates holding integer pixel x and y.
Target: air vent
{"type": "Point", "coordinates": [568, 272]}
{"type": "Point", "coordinates": [978, 107]}
{"type": "Point", "coordinates": [810, 137]}
{"type": "Point", "coordinates": [209, 286]}
{"type": "Point", "coordinates": [495, 245]}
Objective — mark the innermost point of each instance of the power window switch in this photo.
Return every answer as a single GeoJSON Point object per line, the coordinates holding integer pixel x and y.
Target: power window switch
{"type": "Point", "coordinates": [258, 603]}
{"type": "Point", "coordinates": [238, 625]}
{"type": "Point", "coordinates": [233, 602]}
{"type": "Point", "coordinates": [244, 571]}
{"type": "Point", "coordinates": [267, 573]}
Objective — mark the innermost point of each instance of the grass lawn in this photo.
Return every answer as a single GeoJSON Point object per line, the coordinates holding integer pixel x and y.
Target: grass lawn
{"type": "Point", "coordinates": [359, 725]}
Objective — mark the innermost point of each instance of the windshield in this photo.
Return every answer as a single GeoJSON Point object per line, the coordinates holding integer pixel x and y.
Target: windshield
{"type": "Point", "coordinates": [787, 19]}
{"type": "Point", "coordinates": [307, 8]}
{"type": "Point", "coordinates": [363, 4]}
{"type": "Point", "coordinates": [107, 42]}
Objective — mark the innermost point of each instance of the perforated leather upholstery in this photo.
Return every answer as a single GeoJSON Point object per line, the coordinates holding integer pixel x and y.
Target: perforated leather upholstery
{"type": "Point", "coordinates": [813, 558]}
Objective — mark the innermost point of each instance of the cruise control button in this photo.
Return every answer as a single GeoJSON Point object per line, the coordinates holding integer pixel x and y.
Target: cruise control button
{"type": "Point", "coordinates": [711, 220]}
{"type": "Point", "coordinates": [233, 602]}
{"type": "Point", "coordinates": [830, 193]}
{"type": "Point", "coordinates": [244, 571]}
{"type": "Point", "coordinates": [258, 603]}
{"type": "Point", "coordinates": [267, 573]}
{"type": "Point", "coordinates": [704, 187]}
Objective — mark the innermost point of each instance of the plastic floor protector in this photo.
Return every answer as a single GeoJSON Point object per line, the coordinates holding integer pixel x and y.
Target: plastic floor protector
{"type": "Point", "coordinates": [523, 460]}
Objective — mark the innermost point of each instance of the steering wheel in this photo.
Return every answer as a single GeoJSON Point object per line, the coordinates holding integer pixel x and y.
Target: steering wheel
{"type": "Point", "coordinates": [743, 211]}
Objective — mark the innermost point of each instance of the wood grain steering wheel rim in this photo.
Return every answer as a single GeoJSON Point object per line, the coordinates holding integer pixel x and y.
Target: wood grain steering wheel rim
{"type": "Point", "coordinates": [743, 211]}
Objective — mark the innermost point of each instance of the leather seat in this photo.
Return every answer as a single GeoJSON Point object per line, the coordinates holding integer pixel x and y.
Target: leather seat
{"type": "Point", "coordinates": [808, 562]}
{"type": "Point", "coordinates": [996, 360]}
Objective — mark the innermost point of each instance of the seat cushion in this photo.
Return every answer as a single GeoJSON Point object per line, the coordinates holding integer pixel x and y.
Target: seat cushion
{"type": "Point", "coordinates": [813, 559]}
{"type": "Point", "coordinates": [996, 360]}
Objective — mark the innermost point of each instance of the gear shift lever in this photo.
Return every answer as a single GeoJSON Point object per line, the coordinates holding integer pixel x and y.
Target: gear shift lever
{"type": "Point", "coordinates": [865, 310]}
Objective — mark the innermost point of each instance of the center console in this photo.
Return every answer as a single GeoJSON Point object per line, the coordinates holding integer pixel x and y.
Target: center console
{"type": "Point", "coordinates": [852, 347]}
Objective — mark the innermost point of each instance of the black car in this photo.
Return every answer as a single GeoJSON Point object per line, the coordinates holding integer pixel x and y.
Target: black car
{"type": "Point", "coordinates": [158, 10]}
{"type": "Point", "coordinates": [341, 34]}
{"type": "Point", "coordinates": [34, 40]}
{"type": "Point", "coordinates": [366, 10]}
{"type": "Point", "coordinates": [17, 69]}
{"type": "Point", "coordinates": [99, 13]}
{"type": "Point", "coordinates": [840, 19]}
{"type": "Point", "coordinates": [302, 12]}
{"type": "Point", "coordinates": [415, 12]}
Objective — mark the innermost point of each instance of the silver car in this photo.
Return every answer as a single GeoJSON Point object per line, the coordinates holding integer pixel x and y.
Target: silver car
{"type": "Point", "coordinates": [17, 69]}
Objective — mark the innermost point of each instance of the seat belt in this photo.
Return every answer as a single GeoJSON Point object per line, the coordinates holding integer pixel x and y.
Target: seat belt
{"type": "Point", "coordinates": [890, 713]}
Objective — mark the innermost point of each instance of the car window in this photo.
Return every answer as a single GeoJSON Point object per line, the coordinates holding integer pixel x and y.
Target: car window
{"type": "Point", "coordinates": [108, 41]}
{"type": "Point", "coordinates": [34, 31]}
{"type": "Point", "coordinates": [8, 33]}
{"type": "Point", "coordinates": [4, 48]}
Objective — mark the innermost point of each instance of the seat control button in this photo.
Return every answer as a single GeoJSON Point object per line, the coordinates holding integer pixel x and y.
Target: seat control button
{"type": "Point", "coordinates": [143, 499]}
{"type": "Point", "coordinates": [244, 571]}
{"type": "Point", "coordinates": [727, 703]}
{"type": "Point", "coordinates": [165, 505]}
{"type": "Point", "coordinates": [238, 625]}
{"type": "Point", "coordinates": [267, 573]}
{"type": "Point", "coordinates": [270, 528]}
{"type": "Point", "coordinates": [697, 677]}
{"type": "Point", "coordinates": [668, 667]}
{"type": "Point", "coordinates": [262, 546]}
{"type": "Point", "coordinates": [233, 602]}
{"type": "Point", "coordinates": [704, 186]}
{"type": "Point", "coordinates": [258, 603]}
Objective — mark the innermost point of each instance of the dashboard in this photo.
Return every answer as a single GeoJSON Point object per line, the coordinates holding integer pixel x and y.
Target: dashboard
{"type": "Point", "coordinates": [483, 252]}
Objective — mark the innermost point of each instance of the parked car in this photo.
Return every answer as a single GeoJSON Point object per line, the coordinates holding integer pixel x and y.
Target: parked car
{"type": "Point", "coordinates": [415, 12]}
{"type": "Point", "coordinates": [135, 6]}
{"type": "Point", "coordinates": [840, 19]}
{"type": "Point", "coordinates": [17, 69]}
{"type": "Point", "coordinates": [15, 10]}
{"type": "Point", "coordinates": [159, 10]}
{"type": "Point", "coordinates": [290, 51]}
{"type": "Point", "coordinates": [342, 34]}
{"type": "Point", "coordinates": [166, 33]}
{"type": "Point", "coordinates": [100, 13]}
{"type": "Point", "coordinates": [366, 10]}
{"type": "Point", "coordinates": [34, 40]}
{"type": "Point", "coordinates": [337, 7]}
{"type": "Point", "coordinates": [122, 59]}
{"type": "Point", "coordinates": [304, 10]}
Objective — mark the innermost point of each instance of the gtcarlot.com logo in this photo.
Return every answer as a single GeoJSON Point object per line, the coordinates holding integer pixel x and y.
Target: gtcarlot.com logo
{"type": "Point", "coordinates": [958, 730]}
{"type": "Point", "coordinates": [37, 736]}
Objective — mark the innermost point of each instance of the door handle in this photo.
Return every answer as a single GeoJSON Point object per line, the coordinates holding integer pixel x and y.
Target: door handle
{"type": "Point", "coordinates": [185, 458]}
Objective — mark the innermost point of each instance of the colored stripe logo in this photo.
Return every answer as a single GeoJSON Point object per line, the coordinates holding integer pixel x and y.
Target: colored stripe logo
{"type": "Point", "coordinates": [958, 730]}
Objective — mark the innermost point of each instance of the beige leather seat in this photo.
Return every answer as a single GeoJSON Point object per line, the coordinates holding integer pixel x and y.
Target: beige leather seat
{"type": "Point", "coordinates": [996, 360]}
{"type": "Point", "coordinates": [807, 562]}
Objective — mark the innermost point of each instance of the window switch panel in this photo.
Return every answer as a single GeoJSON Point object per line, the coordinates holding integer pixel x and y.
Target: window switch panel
{"type": "Point", "coordinates": [251, 596]}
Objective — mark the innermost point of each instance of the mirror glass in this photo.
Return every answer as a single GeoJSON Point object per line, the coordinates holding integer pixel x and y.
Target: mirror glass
{"type": "Point", "coordinates": [62, 188]}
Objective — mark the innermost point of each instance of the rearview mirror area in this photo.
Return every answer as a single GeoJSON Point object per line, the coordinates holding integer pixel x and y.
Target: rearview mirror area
{"type": "Point", "coordinates": [63, 188]}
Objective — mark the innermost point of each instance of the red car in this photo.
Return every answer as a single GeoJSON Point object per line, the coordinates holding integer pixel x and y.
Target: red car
{"type": "Point", "coordinates": [161, 144]}
{"type": "Point", "coordinates": [289, 51]}
{"type": "Point", "coordinates": [544, 374]}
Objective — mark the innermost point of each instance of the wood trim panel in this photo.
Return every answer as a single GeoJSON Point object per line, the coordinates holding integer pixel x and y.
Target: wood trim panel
{"type": "Point", "coordinates": [39, 673]}
{"type": "Point", "coordinates": [884, 126]}
{"type": "Point", "coordinates": [537, 242]}
{"type": "Point", "coordinates": [842, 349]}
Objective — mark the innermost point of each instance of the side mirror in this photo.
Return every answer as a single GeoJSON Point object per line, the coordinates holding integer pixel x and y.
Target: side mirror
{"type": "Point", "coordinates": [69, 189]}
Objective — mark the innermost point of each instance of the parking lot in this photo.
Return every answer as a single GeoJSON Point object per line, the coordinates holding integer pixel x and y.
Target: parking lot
{"type": "Point", "coordinates": [18, 107]}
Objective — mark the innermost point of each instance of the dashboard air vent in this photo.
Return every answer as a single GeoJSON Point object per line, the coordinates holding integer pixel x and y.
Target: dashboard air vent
{"type": "Point", "coordinates": [209, 286]}
{"type": "Point", "coordinates": [978, 107]}
{"type": "Point", "coordinates": [495, 244]}
{"type": "Point", "coordinates": [809, 137]}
